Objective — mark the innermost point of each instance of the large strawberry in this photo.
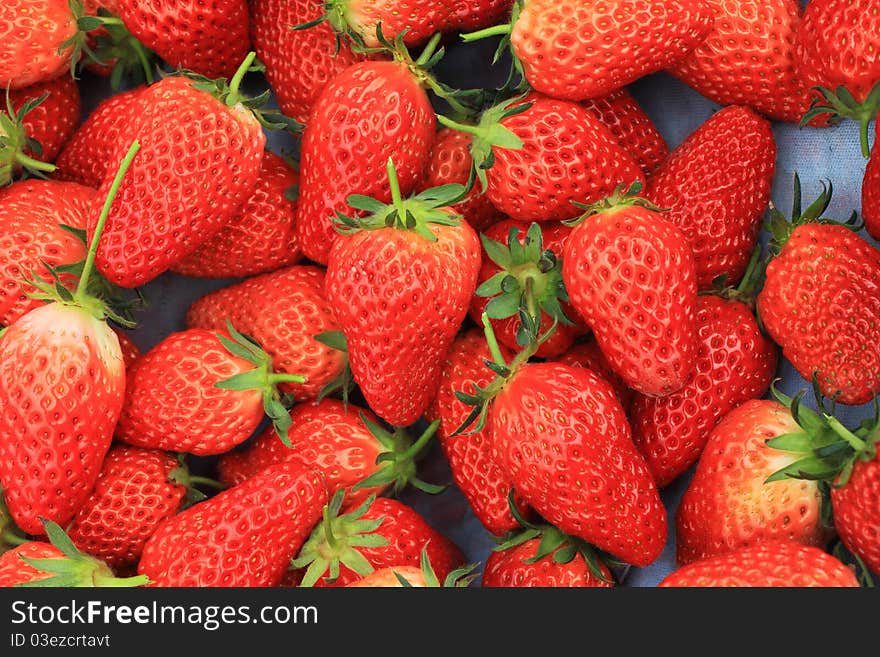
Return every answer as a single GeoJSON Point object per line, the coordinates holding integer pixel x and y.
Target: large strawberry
{"type": "Point", "coordinates": [774, 563]}
{"type": "Point", "coordinates": [821, 301]}
{"type": "Point", "coordinates": [400, 281]}
{"type": "Point", "coordinates": [856, 505]}
{"type": "Point", "coordinates": [283, 311]}
{"type": "Point", "coordinates": [53, 121]}
{"type": "Point", "coordinates": [244, 536]}
{"type": "Point", "coordinates": [630, 274]}
{"type": "Point", "coordinates": [871, 190]}
{"type": "Point", "coordinates": [33, 34]}
{"type": "Point", "coordinates": [716, 187]}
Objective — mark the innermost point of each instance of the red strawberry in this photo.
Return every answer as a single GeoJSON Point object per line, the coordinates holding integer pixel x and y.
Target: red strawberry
{"type": "Point", "coordinates": [209, 37]}
{"type": "Point", "coordinates": [479, 477]}
{"type": "Point", "coordinates": [244, 536]}
{"type": "Point", "coordinates": [857, 512]}
{"type": "Point", "coordinates": [630, 274]}
{"type": "Point", "coordinates": [415, 22]}
{"type": "Point", "coordinates": [369, 113]}
{"type": "Point", "coordinates": [871, 190]}
{"type": "Point", "coordinates": [378, 534]}
{"type": "Point", "coordinates": [261, 238]}
{"type": "Point", "coordinates": [587, 354]}
{"type": "Point", "coordinates": [130, 351]}
{"type": "Point", "coordinates": [87, 155]}
{"type": "Point", "coordinates": [734, 362]}
{"type": "Point", "coordinates": [716, 187]}
{"type": "Point", "coordinates": [730, 503]}
{"type": "Point", "coordinates": [31, 215]}
{"type": "Point", "coordinates": [412, 577]}
{"type": "Point", "coordinates": [283, 311]}
{"type": "Point", "coordinates": [633, 129]}
{"type": "Point", "coordinates": [470, 15]}
{"type": "Point", "coordinates": [826, 276]}
{"type": "Point", "coordinates": [400, 282]}
{"type": "Point", "coordinates": [774, 563]}
{"type": "Point", "coordinates": [748, 59]}
{"type": "Point", "coordinates": [34, 34]}
{"type": "Point", "coordinates": [52, 122]}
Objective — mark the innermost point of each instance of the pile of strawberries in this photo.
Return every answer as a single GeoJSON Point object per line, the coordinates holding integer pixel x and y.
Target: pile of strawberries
{"type": "Point", "coordinates": [528, 277]}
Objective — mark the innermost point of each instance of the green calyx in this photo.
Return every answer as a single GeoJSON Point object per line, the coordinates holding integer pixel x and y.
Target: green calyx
{"type": "Point", "coordinates": [131, 60]}
{"type": "Point", "coordinates": [262, 378]}
{"type": "Point", "coordinates": [748, 287]}
{"type": "Point", "coordinates": [14, 142]}
{"type": "Point", "coordinates": [182, 476]}
{"type": "Point", "coordinates": [75, 568]}
{"type": "Point", "coordinates": [530, 282]}
{"type": "Point", "coordinates": [457, 579]}
{"type": "Point", "coordinates": [621, 197]}
{"type": "Point", "coordinates": [840, 104]}
{"type": "Point", "coordinates": [343, 383]}
{"type": "Point", "coordinates": [414, 214]}
{"type": "Point", "coordinates": [335, 542]}
{"type": "Point", "coordinates": [10, 535]}
{"type": "Point", "coordinates": [516, 76]}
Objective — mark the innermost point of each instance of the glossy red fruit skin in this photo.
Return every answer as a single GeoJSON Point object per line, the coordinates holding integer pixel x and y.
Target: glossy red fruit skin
{"type": "Point", "coordinates": [568, 155]}
{"type": "Point", "coordinates": [821, 304]}
{"type": "Point", "coordinates": [857, 512]}
{"type": "Point", "coordinates": [15, 571]}
{"type": "Point", "coordinates": [32, 32]}
{"type": "Point", "coordinates": [30, 214]}
{"type": "Point", "coordinates": [748, 59]}
{"type": "Point", "coordinates": [159, 217]}
{"type": "Point", "coordinates": [130, 351]}
{"type": "Point", "coordinates": [172, 402]}
{"type": "Point", "coordinates": [509, 569]}
{"type": "Point", "coordinates": [367, 114]}
{"type": "Point", "coordinates": [734, 363]}
{"type": "Point", "coordinates": [244, 536]}
{"type": "Point", "coordinates": [871, 190]}
{"type": "Point", "coordinates": [324, 435]}
{"type": "Point", "coordinates": [416, 21]}
{"type": "Point", "coordinates": [473, 15]}
{"type": "Point", "coordinates": [53, 121]}
{"type": "Point", "coordinates": [86, 156]}
{"type": "Point", "coordinates": [260, 238]}
{"type": "Point", "coordinates": [282, 311]}
{"type": "Point", "coordinates": [716, 187]}
{"type": "Point", "coordinates": [773, 563]}
{"type": "Point", "coordinates": [62, 382]}
{"type": "Point", "coordinates": [562, 437]}
{"type": "Point", "coordinates": [132, 496]}
{"type": "Point", "coordinates": [633, 129]}
{"type": "Point", "coordinates": [728, 506]}
{"type": "Point", "coordinates": [474, 468]}
{"type": "Point", "coordinates": [209, 37]}
{"type": "Point", "coordinates": [630, 274]}
{"type": "Point", "coordinates": [587, 354]}
{"type": "Point", "coordinates": [400, 300]}
{"type": "Point", "coordinates": [579, 49]}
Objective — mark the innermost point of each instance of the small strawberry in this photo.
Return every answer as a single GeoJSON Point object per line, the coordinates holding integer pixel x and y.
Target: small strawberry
{"type": "Point", "coordinates": [588, 354]}
{"type": "Point", "coordinates": [871, 190]}
{"type": "Point", "coordinates": [34, 34]}
{"type": "Point", "coordinates": [53, 120]}
{"type": "Point", "coordinates": [774, 563]}
{"type": "Point", "coordinates": [413, 577]}
{"type": "Point", "coordinates": [244, 536]}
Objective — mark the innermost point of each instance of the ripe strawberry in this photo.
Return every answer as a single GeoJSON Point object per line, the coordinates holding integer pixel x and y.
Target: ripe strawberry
{"type": "Point", "coordinates": [538, 155]}
{"type": "Point", "coordinates": [716, 187]}
{"type": "Point", "coordinates": [244, 536]}
{"type": "Point", "coordinates": [856, 506]}
{"type": "Point", "coordinates": [283, 311]}
{"type": "Point", "coordinates": [200, 392]}
{"type": "Point", "coordinates": [130, 351]}
{"type": "Point", "coordinates": [413, 21]}
{"type": "Point", "coordinates": [378, 534]}
{"type": "Point", "coordinates": [209, 37]}
{"type": "Point", "coordinates": [825, 275]}
{"type": "Point", "coordinates": [734, 362]}
{"type": "Point", "coordinates": [31, 215]}
{"type": "Point", "coordinates": [412, 577]}
{"type": "Point", "coordinates": [774, 563]}
{"type": "Point", "coordinates": [748, 59]}
{"type": "Point", "coordinates": [87, 154]}
{"type": "Point", "coordinates": [871, 190]}
{"type": "Point", "coordinates": [52, 122]}
{"type": "Point", "coordinates": [633, 129]}
{"type": "Point", "coordinates": [115, 52]}
{"type": "Point", "coordinates": [587, 354]}
{"type": "Point", "coordinates": [472, 15]}
{"type": "Point", "coordinates": [400, 281]}
{"type": "Point", "coordinates": [260, 238]}
{"type": "Point", "coordinates": [630, 274]}
{"type": "Point", "coordinates": [34, 34]}
{"type": "Point", "coordinates": [731, 502]}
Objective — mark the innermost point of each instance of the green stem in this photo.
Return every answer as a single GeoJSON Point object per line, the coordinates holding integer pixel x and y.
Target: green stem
{"type": "Point", "coordinates": [235, 82]}
{"type": "Point", "coordinates": [83, 284]}
{"type": "Point", "coordinates": [854, 441]}
{"type": "Point", "coordinates": [456, 106]}
{"type": "Point", "coordinates": [496, 30]}
{"type": "Point", "coordinates": [274, 379]}
{"type": "Point", "coordinates": [11, 538]}
{"type": "Point", "coordinates": [105, 581]}
{"type": "Point", "coordinates": [461, 127]}
{"type": "Point", "coordinates": [749, 282]}
{"type": "Point", "coordinates": [141, 54]}
{"type": "Point", "coordinates": [328, 530]}
{"type": "Point", "coordinates": [429, 50]}
{"type": "Point", "coordinates": [35, 165]}
{"type": "Point", "coordinates": [529, 295]}
{"type": "Point", "coordinates": [863, 134]}
{"type": "Point", "coordinates": [492, 341]}
{"type": "Point", "coordinates": [394, 183]}
{"type": "Point", "coordinates": [419, 444]}
{"type": "Point", "coordinates": [206, 481]}
{"type": "Point", "coordinates": [110, 20]}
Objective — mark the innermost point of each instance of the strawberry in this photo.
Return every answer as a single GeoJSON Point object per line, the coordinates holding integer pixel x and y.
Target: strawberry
{"type": "Point", "coordinates": [244, 536]}
{"type": "Point", "coordinates": [283, 311]}
{"type": "Point", "coordinates": [32, 216]}
{"type": "Point", "coordinates": [774, 563]}
{"type": "Point", "coordinates": [748, 58]}
{"type": "Point", "coordinates": [736, 499]}
{"type": "Point", "coordinates": [378, 534]}
{"type": "Point", "coordinates": [871, 190]}
{"type": "Point", "coordinates": [52, 122]}
{"type": "Point", "coordinates": [716, 187]}
{"type": "Point", "coordinates": [472, 15]}
{"type": "Point", "coordinates": [825, 275]}
{"type": "Point", "coordinates": [412, 577]}
{"type": "Point", "coordinates": [579, 49]}
{"type": "Point", "coordinates": [630, 274]}
{"type": "Point", "coordinates": [209, 37]}
{"type": "Point", "coordinates": [34, 34]}
{"type": "Point", "coordinates": [400, 281]}
{"type": "Point", "coordinates": [87, 154]}
{"type": "Point", "coordinates": [115, 52]}
{"type": "Point", "coordinates": [856, 506]}
{"type": "Point", "coordinates": [633, 129]}
{"type": "Point", "coordinates": [130, 351]}
{"type": "Point", "coordinates": [413, 21]}
{"type": "Point", "coordinates": [588, 354]}
{"type": "Point", "coordinates": [201, 392]}
{"type": "Point", "coordinates": [261, 238]}
{"type": "Point", "coordinates": [536, 156]}
{"type": "Point", "coordinates": [474, 469]}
